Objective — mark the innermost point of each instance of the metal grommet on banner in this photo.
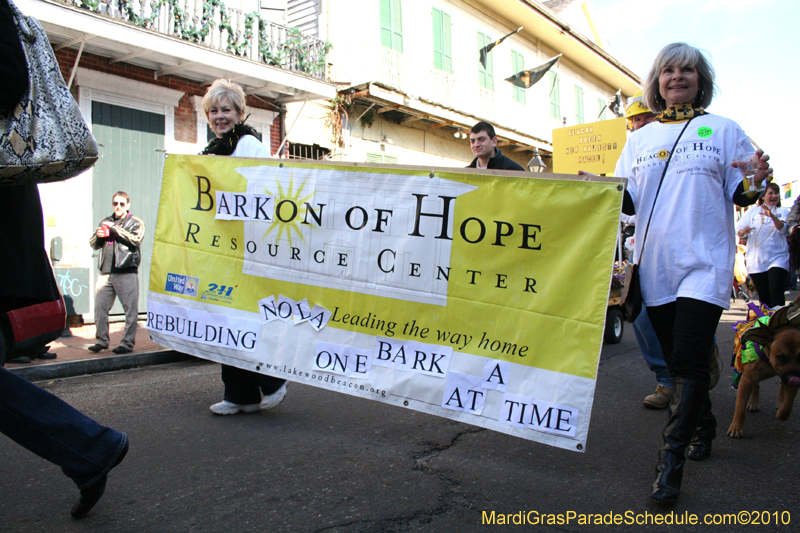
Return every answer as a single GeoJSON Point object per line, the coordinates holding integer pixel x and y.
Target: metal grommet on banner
{"type": "Point", "coordinates": [405, 403]}
{"type": "Point", "coordinates": [432, 175]}
{"type": "Point", "coordinates": [579, 446]}
{"type": "Point", "coordinates": [280, 166]}
{"type": "Point", "coordinates": [619, 187]}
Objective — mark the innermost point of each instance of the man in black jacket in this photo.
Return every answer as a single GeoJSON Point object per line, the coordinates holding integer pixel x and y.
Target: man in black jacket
{"type": "Point", "coordinates": [118, 238]}
{"type": "Point", "coordinates": [483, 141]}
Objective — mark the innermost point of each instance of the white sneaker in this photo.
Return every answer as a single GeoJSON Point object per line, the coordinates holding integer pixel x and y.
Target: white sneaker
{"type": "Point", "coordinates": [268, 402]}
{"type": "Point", "coordinates": [229, 408]}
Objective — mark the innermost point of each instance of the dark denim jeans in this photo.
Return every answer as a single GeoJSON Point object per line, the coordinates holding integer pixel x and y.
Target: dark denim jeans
{"type": "Point", "coordinates": [56, 431]}
{"type": "Point", "coordinates": [651, 349]}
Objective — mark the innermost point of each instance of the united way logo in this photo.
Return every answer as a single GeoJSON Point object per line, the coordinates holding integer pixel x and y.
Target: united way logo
{"type": "Point", "coordinates": [178, 284]}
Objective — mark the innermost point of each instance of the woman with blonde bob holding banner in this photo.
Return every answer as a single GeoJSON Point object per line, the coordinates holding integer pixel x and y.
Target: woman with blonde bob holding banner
{"type": "Point", "coordinates": [225, 108]}
{"type": "Point", "coordinates": [685, 169]}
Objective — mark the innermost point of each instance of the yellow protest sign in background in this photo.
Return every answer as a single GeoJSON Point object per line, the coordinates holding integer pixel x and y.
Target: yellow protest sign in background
{"type": "Point", "coordinates": [593, 147]}
{"type": "Point", "coordinates": [425, 289]}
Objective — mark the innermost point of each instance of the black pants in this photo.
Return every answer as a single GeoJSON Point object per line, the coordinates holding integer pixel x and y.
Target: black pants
{"type": "Point", "coordinates": [685, 329]}
{"type": "Point", "coordinates": [770, 286]}
{"type": "Point", "coordinates": [245, 387]}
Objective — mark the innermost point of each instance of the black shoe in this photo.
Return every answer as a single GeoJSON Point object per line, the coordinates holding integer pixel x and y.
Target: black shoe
{"type": "Point", "coordinates": [669, 473]}
{"type": "Point", "coordinates": [121, 350]}
{"type": "Point", "coordinates": [21, 360]}
{"type": "Point", "coordinates": [96, 348]}
{"type": "Point", "coordinates": [92, 494]}
{"type": "Point", "coordinates": [47, 355]}
{"type": "Point", "coordinates": [700, 447]}
{"type": "Point", "coordinates": [699, 452]}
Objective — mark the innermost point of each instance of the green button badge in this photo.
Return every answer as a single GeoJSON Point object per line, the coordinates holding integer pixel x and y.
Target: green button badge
{"type": "Point", "coordinates": [705, 132]}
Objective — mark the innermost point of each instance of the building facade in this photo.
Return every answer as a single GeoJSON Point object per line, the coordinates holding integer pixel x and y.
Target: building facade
{"type": "Point", "coordinates": [138, 70]}
{"type": "Point", "coordinates": [411, 83]}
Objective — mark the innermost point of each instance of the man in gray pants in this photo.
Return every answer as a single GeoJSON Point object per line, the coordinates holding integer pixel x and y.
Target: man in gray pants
{"type": "Point", "coordinates": [118, 237]}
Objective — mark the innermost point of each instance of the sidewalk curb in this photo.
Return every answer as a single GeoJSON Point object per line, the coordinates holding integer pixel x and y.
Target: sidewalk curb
{"type": "Point", "coordinates": [100, 364]}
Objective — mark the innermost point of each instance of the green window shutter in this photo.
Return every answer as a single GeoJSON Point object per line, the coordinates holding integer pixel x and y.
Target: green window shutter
{"type": "Point", "coordinates": [601, 108]}
{"type": "Point", "coordinates": [391, 25]}
{"type": "Point", "coordinates": [437, 39]}
{"type": "Point", "coordinates": [386, 23]}
{"type": "Point", "coordinates": [579, 118]}
{"type": "Point", "coordinates": [489, 68]}
{"type": "Point", "coordinates": [555, 97]}
{"type": "Point", "coordinates": [372, 157]}
{"type": "Point", "coordinates": [447, 48]}
{"type": "Point", "coordinates": [485, 76]}
{"type": "Point", "coordinates": [517, 65]}
{"type": "Point", "coordinates": [442, 55]}
{"type": "Point", "coordinates": [397, 25]}
{"type": "Point", "coordinates": [481, 70]}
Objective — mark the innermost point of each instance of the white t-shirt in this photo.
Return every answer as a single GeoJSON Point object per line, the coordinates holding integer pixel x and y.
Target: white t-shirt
{"type": "Point", "coordinates": [690, 246]}
{"type": "Point", "coordinates": [249, 146]}
{"type": "Point", "coordinates": [766, 245]}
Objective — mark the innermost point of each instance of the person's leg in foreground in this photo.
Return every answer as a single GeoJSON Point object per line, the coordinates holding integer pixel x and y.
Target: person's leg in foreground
{"type": "Point", "coordinates": [59, 433]}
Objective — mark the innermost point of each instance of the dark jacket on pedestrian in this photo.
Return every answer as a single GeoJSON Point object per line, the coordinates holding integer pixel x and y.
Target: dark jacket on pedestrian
{"type": "Point", "coordinates": [25, 268]}
{"type": "Point", "coordinates": [498, 162]}
{"type": "Point", "coordinates": [125, 238]}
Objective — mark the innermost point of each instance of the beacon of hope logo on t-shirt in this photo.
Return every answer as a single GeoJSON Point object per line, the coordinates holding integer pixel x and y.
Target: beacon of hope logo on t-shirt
{"type": "Point", "coordinates": [685, 152]}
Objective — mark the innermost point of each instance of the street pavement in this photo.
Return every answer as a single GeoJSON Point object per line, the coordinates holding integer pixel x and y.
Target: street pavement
{"type": "Point", "coordinates": [327, 462]}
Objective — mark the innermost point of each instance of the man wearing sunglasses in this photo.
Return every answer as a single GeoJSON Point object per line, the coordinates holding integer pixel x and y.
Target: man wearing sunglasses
{"type": "Point", "coordinates": [118, 238]}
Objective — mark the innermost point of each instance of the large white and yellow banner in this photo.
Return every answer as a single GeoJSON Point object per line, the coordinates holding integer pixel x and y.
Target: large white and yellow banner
{"type": "Point", "coordinates": [480, 298]}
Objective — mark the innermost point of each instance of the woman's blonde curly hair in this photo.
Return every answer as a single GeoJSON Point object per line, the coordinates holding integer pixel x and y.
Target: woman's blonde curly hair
{"type": "Point", "coordinates": [225, 88]}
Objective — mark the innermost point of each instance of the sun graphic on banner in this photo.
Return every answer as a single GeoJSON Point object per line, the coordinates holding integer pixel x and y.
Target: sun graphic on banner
{"type": "Point", "coordinates": [288, 211]}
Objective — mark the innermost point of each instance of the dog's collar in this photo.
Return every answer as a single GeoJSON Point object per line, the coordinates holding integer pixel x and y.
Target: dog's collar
{"type": "Point", "coordinates": [761, 354]}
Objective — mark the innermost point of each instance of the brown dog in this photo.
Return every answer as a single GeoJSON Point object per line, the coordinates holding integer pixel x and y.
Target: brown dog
{"type": "Point", "coordinates": [780, 343]}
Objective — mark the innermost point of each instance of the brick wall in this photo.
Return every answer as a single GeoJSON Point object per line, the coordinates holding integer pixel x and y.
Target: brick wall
{"type": "Point", "coordinates": [275, 136]}
{"type": "Point", "coordinates": [185, 116]}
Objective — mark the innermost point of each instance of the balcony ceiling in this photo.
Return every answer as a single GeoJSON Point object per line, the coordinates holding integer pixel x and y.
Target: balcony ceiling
{"type": "Point", "coordinates": [121, 42]}
{"type": "Point", "coordinates": [403, 109]}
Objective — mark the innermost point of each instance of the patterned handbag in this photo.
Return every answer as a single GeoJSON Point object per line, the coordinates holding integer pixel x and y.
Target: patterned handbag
{"type": "Point", "coordinates": [44, 138]}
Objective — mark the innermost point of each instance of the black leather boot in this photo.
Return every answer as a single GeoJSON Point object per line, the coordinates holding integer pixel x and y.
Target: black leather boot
{"type": "Point", "coordinates": [685, 408]}
{"type": "Point", "coordinates": [700, 447]}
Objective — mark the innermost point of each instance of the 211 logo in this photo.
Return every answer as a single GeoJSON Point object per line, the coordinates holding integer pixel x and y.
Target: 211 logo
{"type": "Point", "coordinates": [218, 293]}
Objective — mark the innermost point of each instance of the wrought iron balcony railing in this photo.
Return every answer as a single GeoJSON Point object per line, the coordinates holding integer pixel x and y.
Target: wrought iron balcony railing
{"type": "Point", "coordinates": [211, 23]}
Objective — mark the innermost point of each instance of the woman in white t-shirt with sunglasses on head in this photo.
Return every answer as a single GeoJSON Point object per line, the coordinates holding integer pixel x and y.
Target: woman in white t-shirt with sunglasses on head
{"type": "Point", "coordinates": [686, 265]}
